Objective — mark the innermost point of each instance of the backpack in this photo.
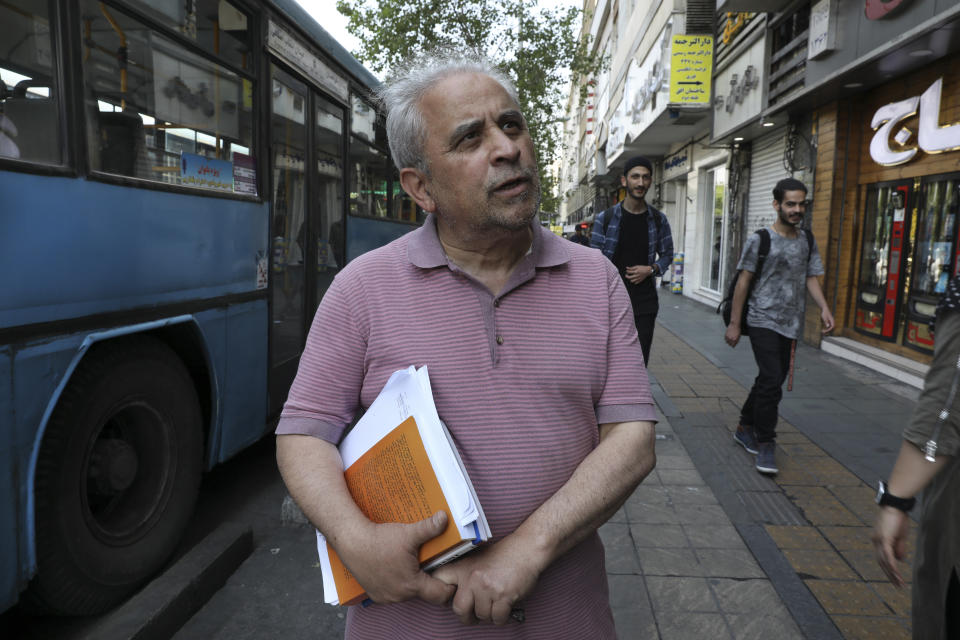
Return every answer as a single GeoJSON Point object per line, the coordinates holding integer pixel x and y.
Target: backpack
{"type": "Point", "coordinates": [725, 308]}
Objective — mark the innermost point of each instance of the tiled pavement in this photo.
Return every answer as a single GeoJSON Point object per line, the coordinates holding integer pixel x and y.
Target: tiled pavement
{"type": "Point", "coordinates": [707, 547]}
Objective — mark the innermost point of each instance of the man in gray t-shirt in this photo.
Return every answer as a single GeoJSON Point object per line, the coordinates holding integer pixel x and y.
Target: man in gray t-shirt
{"type": "Point", "coordinates": [775, 315]}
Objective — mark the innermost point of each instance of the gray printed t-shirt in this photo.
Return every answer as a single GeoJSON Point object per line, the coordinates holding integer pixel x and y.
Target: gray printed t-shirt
{"type": "Point", "coordinates": [779, 295]}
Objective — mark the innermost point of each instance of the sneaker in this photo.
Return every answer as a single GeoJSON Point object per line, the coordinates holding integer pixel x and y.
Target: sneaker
{"type": "Point", "coordinates": [766, 460]}
{"type": "Point", "coordinates": [745, 438]}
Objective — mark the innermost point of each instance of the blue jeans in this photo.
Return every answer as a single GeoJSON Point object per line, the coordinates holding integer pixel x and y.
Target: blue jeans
{"type": "Point", "coordinates": [772, 353]}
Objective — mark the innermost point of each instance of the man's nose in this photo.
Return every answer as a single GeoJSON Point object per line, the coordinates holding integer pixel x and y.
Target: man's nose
{"type": "Point", "coordinates": [505, 147]}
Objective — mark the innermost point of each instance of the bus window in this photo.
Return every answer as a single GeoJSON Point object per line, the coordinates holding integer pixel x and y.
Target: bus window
{"type": "Point", "coordinates": [288, 131]}
{"type": "Point", "coordinates": [29, 113]}
{"type": "Point", "coordinates": [159, 112]}
{"type": "Point", "coordinates": [217, 26]}
{"type": "Point", "coordinates": [368, 180]}
{"type": "Point", "coordinates": [329, 143]}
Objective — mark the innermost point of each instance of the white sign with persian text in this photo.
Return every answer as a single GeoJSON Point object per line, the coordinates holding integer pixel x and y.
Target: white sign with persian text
{"type": "Point", "coordinates": [288, 46]}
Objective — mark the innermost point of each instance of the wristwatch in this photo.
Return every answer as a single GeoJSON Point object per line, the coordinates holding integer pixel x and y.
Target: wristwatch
{"type": "Point", "coordinates": [885, 499]}
{"type": "Point", "coordinates": [656, 269]}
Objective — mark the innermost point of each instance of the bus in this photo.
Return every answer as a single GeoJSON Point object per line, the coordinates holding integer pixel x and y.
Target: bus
{"type": "Point", "coordinates": [180, 181]}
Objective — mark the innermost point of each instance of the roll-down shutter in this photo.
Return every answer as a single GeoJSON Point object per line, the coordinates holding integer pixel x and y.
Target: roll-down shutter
{"type": "Point", "coordinates": [766, 169]}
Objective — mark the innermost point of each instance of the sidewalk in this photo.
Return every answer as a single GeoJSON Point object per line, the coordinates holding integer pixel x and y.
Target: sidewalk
{"type": "Point", "coordinates": [808, 529]}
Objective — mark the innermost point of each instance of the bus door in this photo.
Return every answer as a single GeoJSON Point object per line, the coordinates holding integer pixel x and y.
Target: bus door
{"type": "Point", "coordinates": [886, 222]}
{"type": "Point", "coordinates": [288, 219]}
{"type": "Point", "coordinates": [936, 257]}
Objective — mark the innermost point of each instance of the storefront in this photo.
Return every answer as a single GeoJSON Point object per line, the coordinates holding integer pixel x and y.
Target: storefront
{"type": "Point", "coordinates": [896, 225]}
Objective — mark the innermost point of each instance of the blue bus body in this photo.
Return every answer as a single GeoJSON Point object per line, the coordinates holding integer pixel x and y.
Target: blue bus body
{"type": "Point", "coordinates": [91, 261]}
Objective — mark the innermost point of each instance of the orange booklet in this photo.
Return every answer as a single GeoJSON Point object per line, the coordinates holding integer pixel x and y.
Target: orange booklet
{"type": "Point", "coordinates": [394, 481]}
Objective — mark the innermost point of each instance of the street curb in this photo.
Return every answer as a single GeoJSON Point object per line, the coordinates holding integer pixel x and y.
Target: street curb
{"type": "Point", "coordinates": [167, 602]}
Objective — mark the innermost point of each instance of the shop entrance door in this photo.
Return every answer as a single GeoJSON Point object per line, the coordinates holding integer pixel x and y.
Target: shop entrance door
{"type": "Point", "coordinates": [886, 223]}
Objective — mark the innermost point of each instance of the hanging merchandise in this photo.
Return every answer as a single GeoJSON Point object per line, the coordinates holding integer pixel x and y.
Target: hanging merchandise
{"type": "Point", "coordinates": [676, 281]}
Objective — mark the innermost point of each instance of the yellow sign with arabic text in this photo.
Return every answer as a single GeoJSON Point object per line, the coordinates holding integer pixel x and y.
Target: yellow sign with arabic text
{"type": "Point", "coordinates": [691, 69]}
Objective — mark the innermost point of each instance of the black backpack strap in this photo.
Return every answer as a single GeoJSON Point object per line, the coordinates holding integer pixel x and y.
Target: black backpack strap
{"type": "Point", "coordinates": [809, 235]}
{"type": "Point", "coordinates": [764, 251]}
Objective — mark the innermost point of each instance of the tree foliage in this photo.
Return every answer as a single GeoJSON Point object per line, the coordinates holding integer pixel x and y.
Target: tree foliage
{"type": "Point", "coordinates": [536, 46]}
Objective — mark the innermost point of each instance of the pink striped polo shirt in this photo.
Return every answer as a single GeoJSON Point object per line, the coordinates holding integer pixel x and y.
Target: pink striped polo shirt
{"type": "Point", "coordinates": [521, 380]}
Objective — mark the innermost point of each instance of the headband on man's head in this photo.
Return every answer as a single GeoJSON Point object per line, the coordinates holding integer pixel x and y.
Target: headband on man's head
{"type": "Point", "coordinates": [637, 161]}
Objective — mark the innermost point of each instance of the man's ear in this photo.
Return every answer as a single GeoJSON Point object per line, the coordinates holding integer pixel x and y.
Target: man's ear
{"type": "Point", "coordinates": [414, 182]}
{"type": "Point", "coordinates": [623, 181]}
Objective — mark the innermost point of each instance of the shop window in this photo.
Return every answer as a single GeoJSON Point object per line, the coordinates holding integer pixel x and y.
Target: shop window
{"type": "Point", "coordinates": [714, 190]}
{"type": "Point", "coordinates": [217, 26]}
{"type": "Point", "coordinates": [29, 96]}
{"type": "Point", "coordinates": [159, 112]}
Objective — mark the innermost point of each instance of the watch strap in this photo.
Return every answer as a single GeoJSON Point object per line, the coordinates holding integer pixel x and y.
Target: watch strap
{"type": "Point", "coordinates": [887, 499]}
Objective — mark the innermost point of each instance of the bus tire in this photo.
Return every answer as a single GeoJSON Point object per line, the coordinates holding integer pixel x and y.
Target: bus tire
{"type": "Point", "coordinates": [117, 476]}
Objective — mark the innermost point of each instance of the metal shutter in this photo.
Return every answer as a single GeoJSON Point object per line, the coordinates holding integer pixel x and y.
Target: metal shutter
{"type": "Point", "coordinates": [766, 169]}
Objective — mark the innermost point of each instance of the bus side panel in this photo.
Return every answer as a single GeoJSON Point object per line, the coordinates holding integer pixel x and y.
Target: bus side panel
{"type": "Point", "coordinates": [364, 234]}
{"type": "Point", "coordinates": [109, 247]}
{"type": "Point", "coordinates": [34, 372]}
{"type": "Point", "coordinates": [244, 392]}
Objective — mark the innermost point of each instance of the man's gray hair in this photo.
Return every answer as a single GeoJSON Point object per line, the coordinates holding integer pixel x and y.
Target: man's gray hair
{"type": "Point", "coordinates": [401, 96]}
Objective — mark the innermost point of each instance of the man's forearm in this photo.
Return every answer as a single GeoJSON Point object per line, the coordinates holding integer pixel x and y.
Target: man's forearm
{"type": "Point", "coordinates": [816, 291]}
{"type": "Point", "coordinates": [313, 472]}
{"type": "Point", "coordinates": [597, 488]}
{"type": "Point", "coordinates": [912, 472]}
{"type": "Point", "coordinates": [740, 297]}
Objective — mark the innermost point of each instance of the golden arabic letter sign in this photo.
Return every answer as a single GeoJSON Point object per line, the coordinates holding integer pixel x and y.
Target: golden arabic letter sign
{"type": "Point", "coordinates": [691, 66]}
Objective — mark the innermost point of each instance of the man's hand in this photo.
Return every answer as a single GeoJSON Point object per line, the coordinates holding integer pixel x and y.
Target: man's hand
{"type": "Point", "coordinates": [638, 273]}
{"type": "Point", "coordinates": [732, 336]}
{"type": "Point", "coordinates": [490, 582]}
{"type": "Point", "coordinates": [385, 561]}
{"type": "Point", "coordinates": [890, 541]}
{"type": "Point", "coordinates": [827, 319]}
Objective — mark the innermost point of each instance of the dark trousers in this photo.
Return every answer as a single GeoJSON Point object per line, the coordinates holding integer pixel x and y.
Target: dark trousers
{"type": "Point", "coordinates": [645, 323]}
{"type": "Point", "coordinates": [772, 353]}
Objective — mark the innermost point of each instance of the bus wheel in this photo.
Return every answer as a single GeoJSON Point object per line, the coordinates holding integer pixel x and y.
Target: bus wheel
{"type": "Point", "coordinates": [117, 476]}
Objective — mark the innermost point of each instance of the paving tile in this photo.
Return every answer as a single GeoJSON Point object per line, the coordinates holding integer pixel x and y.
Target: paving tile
{"type": "Point", "coordinates": [634, 625]}
{"type": "Point", "coordinates": [701, 514]}
{"type": "Point", "coordinates": [849, 538]}
{"type": "Point", "coordinates": [687, 477]}
{"type": "Point", "coordinates": [621, 558]}
{"type": "Point", "coordinates": [860, 499]}
{"type": "Point", "coordinates": [669, 562]}
{"type": "Point", "coordinates": [898, 599]}
{"type": "Point", "coordinates": [629, 592]}
{"type": "Point", "coordinates": [826, 565]}
{"type": "Point", "coordinates": [729, 563]}
{"type": "Point", "coordinates": [797, 537]}
{"type": "Point", "coordinates": [746, 596]}
{"type": "Point", "coordinates": [820, 507]}
{"type": "Point", "coordinates": [799, 449]}
{"type": "Point", "coordinates": [675, 462]}
{"type": "Point", "coordinates": [847, 598]}
{"type": "Point", "coordinates": [668, 593]}
{"type": "Point", "coordinates": [619, 516]}
{"type": "Point", "coordinates": [766, 507]}
{"type": "Point", "coordinates": [865, 564]}
{"type": "Point", "coordinates": [871, 628]}
{"type": "Point", "coordinates": [755, 627]}
{"type": "Point", "coordinates": [792, 438]}
{"type": "Point", "coordinates": [639, 512]}
{"type": "Point", "coordinates": [715, 536]}
{"type": "Point", "coordinates": [658, 535]}
{"type": "Point", "coordinates": [649, 495]}
{"type": "Point", "coordinates": [684, 626]}
{"type": "Point", "coordinates": [696, 494]}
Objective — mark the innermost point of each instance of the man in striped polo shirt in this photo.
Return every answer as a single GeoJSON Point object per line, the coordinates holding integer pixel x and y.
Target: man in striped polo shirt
{"type": "Point", "coordinates": [554, 440]}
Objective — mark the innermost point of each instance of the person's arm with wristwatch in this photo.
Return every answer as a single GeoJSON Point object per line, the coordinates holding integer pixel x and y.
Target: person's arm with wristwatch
{"type": "Point", "coordinates": [911, 473]}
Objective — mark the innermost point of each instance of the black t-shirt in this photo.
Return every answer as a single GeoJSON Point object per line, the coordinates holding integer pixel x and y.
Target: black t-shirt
{"type": "Point", "coordinates": [633, 248]}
